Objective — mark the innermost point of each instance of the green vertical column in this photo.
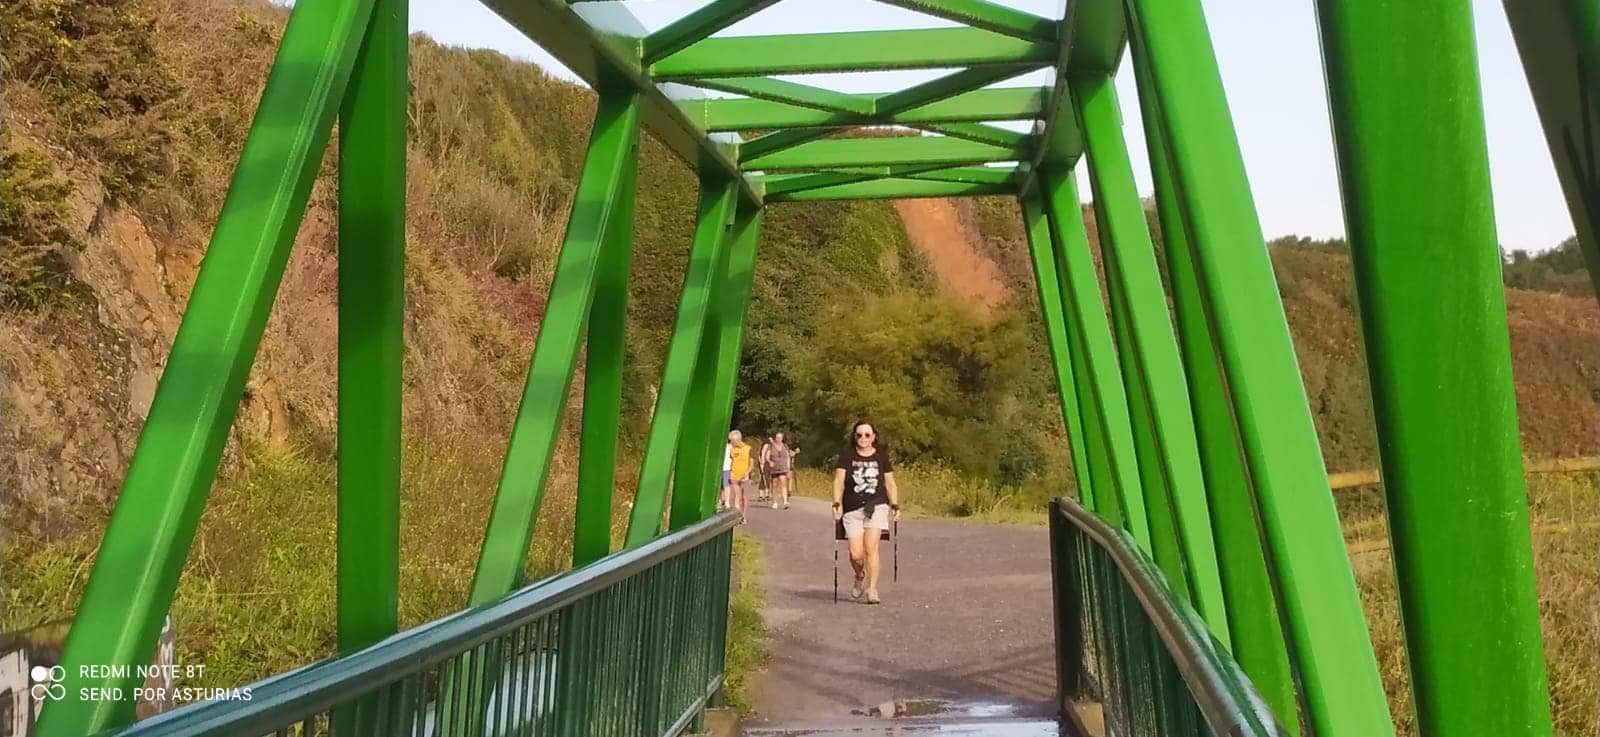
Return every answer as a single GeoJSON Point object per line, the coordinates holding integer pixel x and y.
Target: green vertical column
{"type": "Point", "coordinates": [1042, 251]}
{"type": "Point", "coordinates": [1151, 345]}
{"type": "Point", "coordinates": [612, 149]}
{"type": "Point", "coordinates": [1414, 172]}
{"type": "Point", "coordinates": [1087, 316]}
{"type": "Point", "coordinates": [743, 239]}
{"type": "Point", "coordinates": [136, 572]}
{"type": "Point", "coordinates": [602, 377]}
{"type": "Point", "coordinates": [1343, 692]}
{"type": "Point", "coordinates": [372, 243]}
{"type": "Point", "coordinates": [1255, 631]}
{"type": "Point", "coordinates": [672, 414]}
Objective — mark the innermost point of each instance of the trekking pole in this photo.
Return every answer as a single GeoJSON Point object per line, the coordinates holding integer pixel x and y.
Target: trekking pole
{"type": "Point", "coordinates": [896, 578]}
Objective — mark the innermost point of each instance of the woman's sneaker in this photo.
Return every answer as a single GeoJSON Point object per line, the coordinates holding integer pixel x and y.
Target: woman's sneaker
{"type": "Point", "coordinates": [859, 588]}
{"type": "Point", "coordinates": [872, 597]}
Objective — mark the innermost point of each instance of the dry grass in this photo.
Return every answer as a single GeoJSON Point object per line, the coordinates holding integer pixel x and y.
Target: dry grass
{"type": "Point", "coordinates": [1564, 521]}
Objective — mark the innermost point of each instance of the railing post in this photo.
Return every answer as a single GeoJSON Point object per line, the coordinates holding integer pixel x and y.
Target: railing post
{"type": "Point", "coordinates": [1068, 601]}
{"type": "Point", "coordinates": [372, 242]}
{"type": "Point", "coordinates": [1414, 172]}
{"type": "Point", "coordinates": [1087, 316]}
{"type": "Point", "coordinates": [152, 528]}
{"type": "Point", "coordinates": [1042, 252]}
{"type": "Point", "coordinates": [1339, 674]}
{"type": "Point", "coordinates": [595, 211]}
{"type": "Point", "coordinates": [676, 415]}
{"type": "Point", "coordinates": [1256, 632]}
{"type": "Point", "coordinates": [602, 374]}
{"type": "Point", "coordinates": [1149, 352]}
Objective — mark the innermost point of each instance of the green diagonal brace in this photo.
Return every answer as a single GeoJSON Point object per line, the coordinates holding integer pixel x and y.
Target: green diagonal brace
{"type": "Point", "coordinates": [708, 19]}
{"type": "Point", "coordinates": [136, 572]}
{"type": "Point", "coordinates": [604, 352]}
{"type": "Point", "coordinates": [735, 290]}
{"type": "Point", "coordinates": [1339, 675]}
{"type": "Point", "coordinates": [888, 105]}
{"type": "Point", "coordinates": [668, 424]}
{"type": "Point", "coordinates": [1086, 317]}
{"type": "Point", "coordinates": [555, 355]}
{"type": "Point", "coordinates": [986, 15]}
{"type": "Point", "coordinates": [1042, 253]}
{"type": "Point", "coordinates": [1165, 546]}
{"type": "Point", "coordinates": [1256, 633]}
{"type": "Point", "coordinates": [1130, 258]}
{"type": "Point", "coordinates": [784, 91]}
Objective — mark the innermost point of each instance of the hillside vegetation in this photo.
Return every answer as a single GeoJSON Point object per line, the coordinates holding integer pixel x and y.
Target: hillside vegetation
{"type": "Point", "coordinates": [122, 123]}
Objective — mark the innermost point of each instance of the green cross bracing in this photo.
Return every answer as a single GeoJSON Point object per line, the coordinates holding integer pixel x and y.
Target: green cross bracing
{"type": "Point", "coordinates": [1189, 431]}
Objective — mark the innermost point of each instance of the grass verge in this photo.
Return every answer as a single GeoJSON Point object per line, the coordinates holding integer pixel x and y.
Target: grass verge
{"type": "Point", "coordinates": [747, 626]}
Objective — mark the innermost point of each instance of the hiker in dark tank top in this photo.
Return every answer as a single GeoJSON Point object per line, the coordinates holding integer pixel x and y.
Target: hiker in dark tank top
{"type": "Point", "coordinates": [864, 499]}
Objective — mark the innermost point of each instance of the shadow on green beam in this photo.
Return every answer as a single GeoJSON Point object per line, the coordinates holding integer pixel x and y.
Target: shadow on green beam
{"type": "Point", "coordinates": [741, 56]}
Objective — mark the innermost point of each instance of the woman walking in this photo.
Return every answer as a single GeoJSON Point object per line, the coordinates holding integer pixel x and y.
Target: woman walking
{"type": "Point", "coordinates": [864, 499]}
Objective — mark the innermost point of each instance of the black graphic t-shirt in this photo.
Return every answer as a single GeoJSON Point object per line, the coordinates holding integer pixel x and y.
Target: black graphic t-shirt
{"type": "Point", "coordinates": [863, 478]}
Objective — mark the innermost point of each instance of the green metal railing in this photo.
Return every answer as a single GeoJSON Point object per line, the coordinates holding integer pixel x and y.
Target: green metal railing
{"type": "Point", "coordinates": [1126, 641]}
{"type": "Point", "coordinates": [630, 646]}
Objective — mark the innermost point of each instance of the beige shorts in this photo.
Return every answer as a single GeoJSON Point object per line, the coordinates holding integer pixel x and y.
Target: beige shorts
{"type": "Point", "coordinates": [856, 521]}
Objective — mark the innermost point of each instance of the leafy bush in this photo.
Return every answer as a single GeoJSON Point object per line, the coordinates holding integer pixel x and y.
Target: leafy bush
{"type": "Point", "coordinates": [33, 225]}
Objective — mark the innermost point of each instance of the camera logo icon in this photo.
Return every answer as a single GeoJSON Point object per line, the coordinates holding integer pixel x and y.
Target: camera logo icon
{"type": "Point", "coordinates": [47, 684]}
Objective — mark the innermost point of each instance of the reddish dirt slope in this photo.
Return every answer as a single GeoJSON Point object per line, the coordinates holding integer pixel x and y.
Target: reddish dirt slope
{"type": "Point", "coordinates": [938, 231]}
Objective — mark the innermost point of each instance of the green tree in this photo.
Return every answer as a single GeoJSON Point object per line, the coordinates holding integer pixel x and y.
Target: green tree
{"type": "Point", "coordinates": [932, 373]}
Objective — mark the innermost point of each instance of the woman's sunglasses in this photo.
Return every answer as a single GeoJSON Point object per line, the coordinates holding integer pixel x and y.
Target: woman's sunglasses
{"type": "Point", "coordinates": [863, 434]}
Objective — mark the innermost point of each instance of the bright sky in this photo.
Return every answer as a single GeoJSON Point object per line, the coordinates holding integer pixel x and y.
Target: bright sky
{"type": "Point", "coordinates": [1268, 51]}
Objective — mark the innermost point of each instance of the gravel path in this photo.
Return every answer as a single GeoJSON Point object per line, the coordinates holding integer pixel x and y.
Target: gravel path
{"type": "Point", "coordinates": [969, 623]}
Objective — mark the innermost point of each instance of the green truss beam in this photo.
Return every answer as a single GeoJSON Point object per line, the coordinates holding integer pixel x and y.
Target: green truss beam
{"type": "Point", "coordinates": [1321, 607]}
{"type": "Point", "coordinates": [1256, 632]}
{"type": "Point", "coordinates": [888, 104]}
{"type": "Point", "coordinates": [685, 31]}
{"type": "Point", "coordinates": [985, 15]}
{"type": "Point", "coordinates": [783, 91]}
{"type": "Point", "coordinates": [1093, 33]}
{"type": "Point", "coordinates": [1414, 174]}
{"type": "Point", "coordinates": [605, 348]}
{"type": "Point", "coordinates": [152, 527]}
{"type": "Point", "coordinates": [595, 211]}
{"type": "Point", "coordinates": [886, 151]}
{"type": "Point", "coordinates": [981, 133]}
{"type": "Point", "coordinates": [1006, 103]}
{"type": "Point", "coordinates": [894, 188]}
{"type": "Point", "coordinates": [806, 53]}
{"type": "Point", "coordinates": [372, 244]}
{"type": "Point", "coordinates": [611, 60]}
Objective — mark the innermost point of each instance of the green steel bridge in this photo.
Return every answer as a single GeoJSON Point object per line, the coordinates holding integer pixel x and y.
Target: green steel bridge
{"type": "Point", "coordinates": [1201, 581]}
